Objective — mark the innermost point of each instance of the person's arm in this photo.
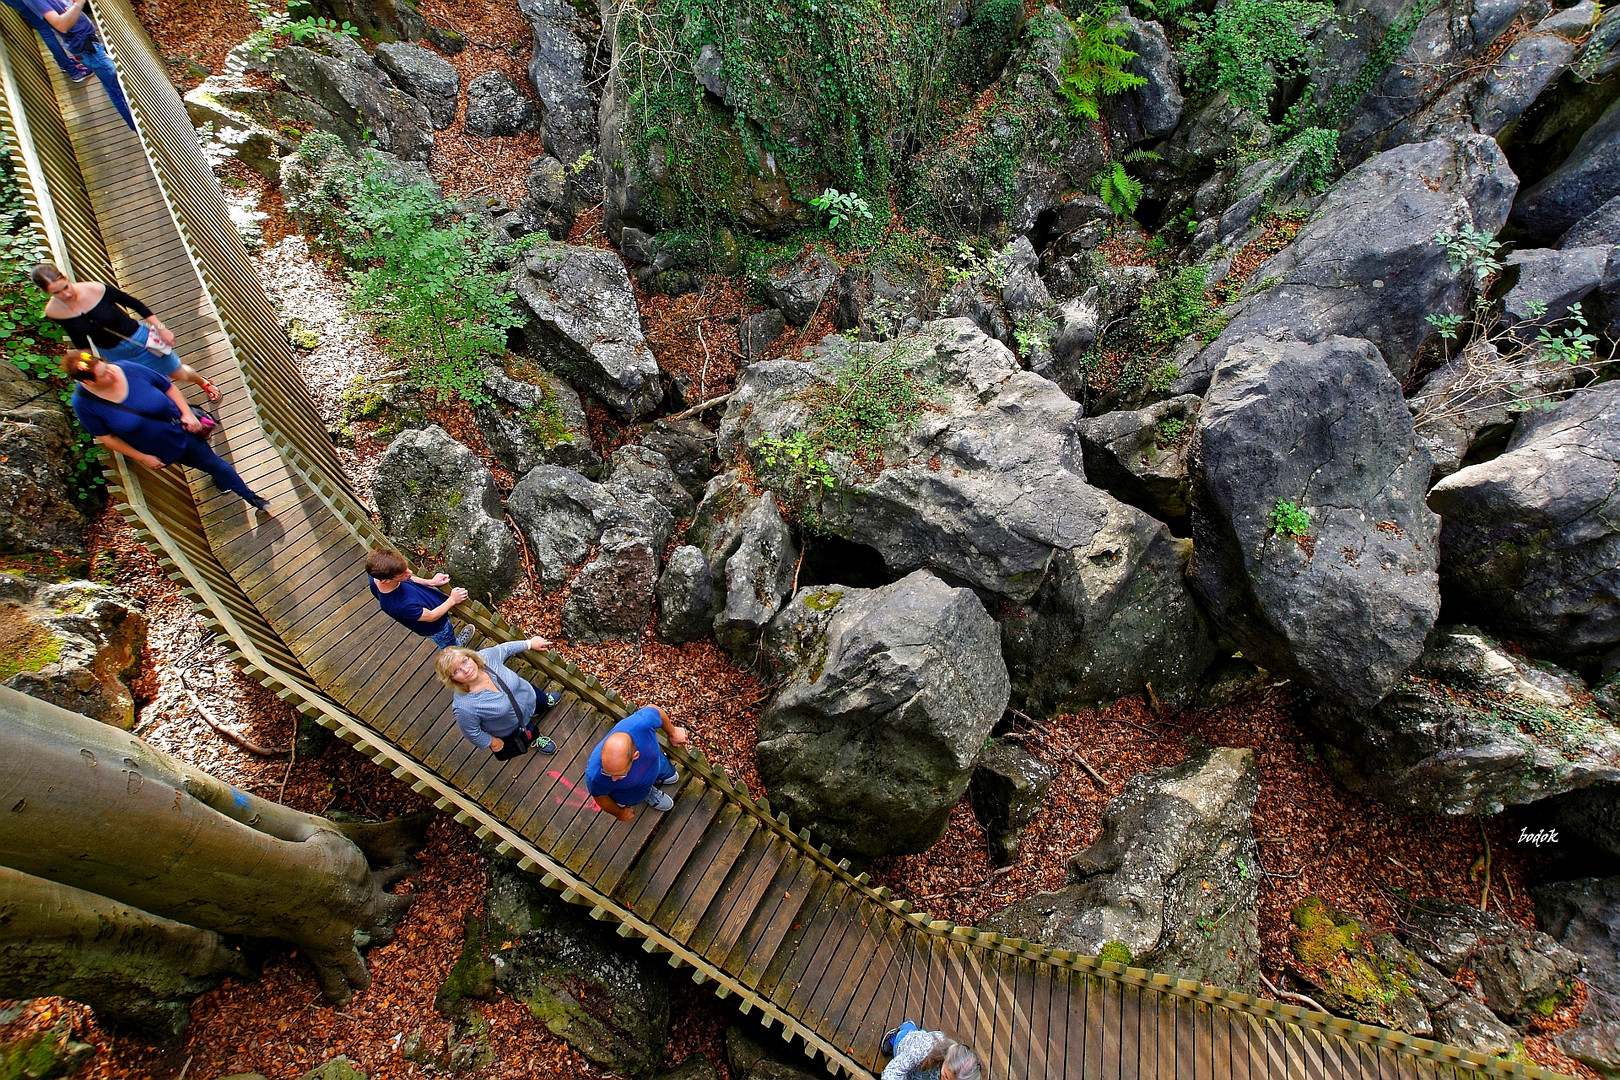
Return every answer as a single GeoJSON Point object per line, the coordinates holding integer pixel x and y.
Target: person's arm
{"type": "Point", "coordinates": [467, 720]}
{"type": "Point", "coordinates": [609, 806]}
{"type": "Point", "coordinates": [64, 20]}
{"type": "Point", "coordinates": [188, 419]}
{"type": "Point", "coordinates": [435, 581]}
{"type": "Point", "coordinates": [117, 445]}
{"type": "Point", "coordinates": [676, 735]}
{"type": "Point", "coordinates": [434, 614]}
{"type": "Point", "coordinates": [912, 1052]}
{"type": "Point", "coordinates": [147, 315]}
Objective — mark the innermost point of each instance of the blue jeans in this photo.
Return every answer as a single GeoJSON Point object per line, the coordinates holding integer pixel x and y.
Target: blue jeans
{"type": "Point", "coordinates": [199, 455]}
{"type": "Point", "coordinates": [665, 774]}
{"type": "Point", "coordinates": [134, 351]}
{"type": "Point", "coordinates": [97, 60]}
{"type": "Point", "coordinates": [446, 637]}
{"type": "Point", "coordinates": [70, 67]}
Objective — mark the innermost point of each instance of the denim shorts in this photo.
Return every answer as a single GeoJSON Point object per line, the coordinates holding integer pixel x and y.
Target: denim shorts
{"type": "Point", "coordinates": [135, 351]}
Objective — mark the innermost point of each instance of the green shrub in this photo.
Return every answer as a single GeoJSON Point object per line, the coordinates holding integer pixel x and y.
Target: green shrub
{"type": "Point", "coordinates": [1315, 153]}
{"type": "Point", "coordinates": [1096, 68]}
{"type": "Point", "coordinates": [1290, 519]}
{"type": "Point", "coordinates": [1178, 305]}
{"type": "Point", "coordinates": [1248, 46]}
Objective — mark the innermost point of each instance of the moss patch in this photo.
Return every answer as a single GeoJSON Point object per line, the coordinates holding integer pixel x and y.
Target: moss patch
{"type": "Point", "coordinates": [24, 644]}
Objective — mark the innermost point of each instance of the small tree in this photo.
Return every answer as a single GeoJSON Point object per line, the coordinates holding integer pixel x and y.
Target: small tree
{"type": "Point", "coordinates": [121, 867]}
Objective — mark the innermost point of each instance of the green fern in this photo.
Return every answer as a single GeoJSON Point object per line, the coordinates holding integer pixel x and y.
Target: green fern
{"type": "Point", "coordinates": [1118, 189]}
{"type": "Point", "coordinates": [1096, 69]}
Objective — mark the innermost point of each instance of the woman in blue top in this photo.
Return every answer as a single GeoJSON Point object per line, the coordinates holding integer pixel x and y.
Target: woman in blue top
{"type": "Point", "coordinates": [492, 702]}
{"type": "Point", "coordinates": [136, 412]}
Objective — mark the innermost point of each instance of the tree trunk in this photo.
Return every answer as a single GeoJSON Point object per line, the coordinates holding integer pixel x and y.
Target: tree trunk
{"type": "Point", "coordinates": [97, 809]}
{"type": "Point", "coordinates": [135, 970]}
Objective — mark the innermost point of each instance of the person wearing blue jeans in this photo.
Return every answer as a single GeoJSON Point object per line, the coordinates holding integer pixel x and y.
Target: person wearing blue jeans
{"type": "Point", "coordinates": [626, 765]}
{"type": "Point", "coordinates": [134, 411]}
{"type": "Point", "coordinates": [916, 1054]}
{"type": "Point", "coordinates": [70, 67]}
{"type": "Point", "coordinates": [82, 41]}
{"type": "Point", "coordinates": [415, 602]}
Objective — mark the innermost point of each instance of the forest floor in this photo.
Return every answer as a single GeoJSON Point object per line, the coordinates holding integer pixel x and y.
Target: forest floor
{"type": "Point", "coordinates": [1315, 837]}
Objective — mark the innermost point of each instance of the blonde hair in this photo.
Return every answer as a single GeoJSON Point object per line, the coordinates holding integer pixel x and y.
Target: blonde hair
{"type": "Point", "coordinates": [449, 659]}
{"type": "Point", "coordinates": [962, 1062]}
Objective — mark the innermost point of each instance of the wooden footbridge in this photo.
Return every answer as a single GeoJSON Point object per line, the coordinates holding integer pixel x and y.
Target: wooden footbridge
{"type": "Point", "coordinates": [720, 885]}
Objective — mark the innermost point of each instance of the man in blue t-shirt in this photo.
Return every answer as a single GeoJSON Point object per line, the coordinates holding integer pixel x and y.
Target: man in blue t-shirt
{"type": "Point", "coordinates": [74, 70]}
{"type": "Point", "coordinates": [415, 602]}
{"type": "Point", "coordinates": [84, 44]}
{"type": "Point", "coordinates": [626, 765]}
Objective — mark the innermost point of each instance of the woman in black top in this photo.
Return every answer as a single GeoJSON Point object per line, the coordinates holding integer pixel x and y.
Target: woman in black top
{"type": "Point", "coordinates": [91, 311]}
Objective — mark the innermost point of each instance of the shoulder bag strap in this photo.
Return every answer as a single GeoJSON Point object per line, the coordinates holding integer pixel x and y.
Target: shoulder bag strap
{"type": "Point", "coordinates": [517, 713]}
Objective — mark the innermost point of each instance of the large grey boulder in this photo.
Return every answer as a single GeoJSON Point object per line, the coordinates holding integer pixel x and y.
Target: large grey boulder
{"type": "Point", "coordinates": [889, 696]}
{"type": "Point", "coordinates": [1517, 970]}
{"type": "Point", "coordinates": [1584, 917]}
{"type": "Point", "coordinates": [1552, 281]}
{"type": "Point", "coordinates": [1601, 226]}
{"type": "Point", "coordinates": [436, 498]}
{"type": "Point", "coordinates": [1367, 265]}
{"type": "Point", "coordinates": [582, 318]}
{"type": "Point", "coordinates": [1007, 789]}
{"type": "Point", "coordinates": [1140, 456]}
{"type": "Point", "coordinates": [1172, 877]}
{"type": "Point", "coordinates": [1530, 545]}
{"type": "Point", "coordinates": [76, 644]}
{"type": "Point", "coordinates": [758, 332]}
{"type": "Point", "coordinates": [644, 481]}
{"type": "Point", "coordinates": [687, 448]}
{"type": "Point", "coordinates": [342, 90]}
{"type": "Point", "coordinates": [612, 595]}
{"type": "Point", "coordinates": [1153, 109]}
{"type": "Point", "coordinates": [496, 106]}
{"type": "Point", "coordinates": [751, 555]}
{"type": "Point", "coordinates": [799, 288]}
{"type": "Point", "coordinates": [389, 20]}
{"type": "Point", "coordinates": [552, 195]}
{"type": "Point", "coordinates": [685, 594]}
{"type": "Point", "coordinates": [1344, 608]}
{"type": "Point", "coordinates": [1112, 617]}
{"type": "Point", "coordinates": [1587, 179]}
{"type": "Point", "coordinates": [600, 994]}
{"type": "Point", "coordinates": [563, 42]}
{"type": "Point", "coordinates": [1001, 506]}
{"type": "Point", "coordinates": [426, 76]}
{"type": "Point", "coordinates": [1470, 729]}
{"type": "Point", "coordinates": [37, 512]}
{"type": "Point", "coordinates": [534, 418]}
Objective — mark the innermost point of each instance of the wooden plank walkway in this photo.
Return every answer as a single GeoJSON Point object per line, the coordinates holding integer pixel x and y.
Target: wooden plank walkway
{"type": "Point", "coordinates": [717, 881]}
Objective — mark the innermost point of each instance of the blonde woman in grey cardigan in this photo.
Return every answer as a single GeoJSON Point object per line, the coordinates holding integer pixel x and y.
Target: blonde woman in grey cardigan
{"type": "Point", "coordinates": [928, 1055]}
{"type": "Point", "coordinates": [494, 705]}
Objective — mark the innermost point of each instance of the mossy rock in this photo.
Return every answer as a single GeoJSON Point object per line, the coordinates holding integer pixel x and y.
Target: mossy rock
{"type": "Point", "coordinates": [1117, 952]}
{"type": "Point", "coordinates": [45, 1055]}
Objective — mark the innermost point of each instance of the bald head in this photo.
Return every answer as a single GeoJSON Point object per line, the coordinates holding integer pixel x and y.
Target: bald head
{"type": "Point", "coordinates": [618, 751]}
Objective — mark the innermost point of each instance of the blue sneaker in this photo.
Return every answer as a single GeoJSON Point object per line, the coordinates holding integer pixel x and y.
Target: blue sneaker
{"type": "Point", "coordinates": [887, 1045]}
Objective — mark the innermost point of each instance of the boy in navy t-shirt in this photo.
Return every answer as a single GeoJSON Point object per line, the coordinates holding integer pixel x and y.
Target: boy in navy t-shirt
{"type": "Point", "coordinates": [413, 601]}
{"type": "Point", "coordinates": [624, 766]}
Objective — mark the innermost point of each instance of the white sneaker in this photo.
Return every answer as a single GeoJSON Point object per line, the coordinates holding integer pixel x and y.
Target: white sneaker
{"type": "Point", "coordinates": [672, 780]}
{"type": "Point", "coordinates": [659, 801]}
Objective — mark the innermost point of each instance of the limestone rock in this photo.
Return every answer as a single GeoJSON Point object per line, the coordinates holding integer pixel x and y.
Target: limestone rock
{"type": "Point", "coordinates": [799, 288]}
{"type": "Point", "coordinates": [1140, 457]}
{"type": "Point", "coordinates": [1601, 226]}
{"type": "Point", "coordinates": [496, 107]}
{"type": "Point", "coordinates": [75, 644]}
{"type": "Point", "coordinates": [685, 597]}
{"type": "Point", "coordinates": [534, 418]}
{"type": "Point", "coordinates": [1530, 545]}
{"type": "Point", "coordinates": [1584, 917]}
{"type": "Point", "coordinates": [758, 575]}
{"type": "Point", "coordinates": [1346, 607]}
{"type": "Point", "coordinates": [37, 512]}
{"type": "Point", "coordinates": [437, 498]}
{"type": "Point", "coordinates": [1518, 970]}
{"type": "Point", "coordinates": [563, 516]}
{"type": "Point", "coordinates": [344, 91]}
{"type": "Point", "coordinates": [1587, 179]}
{"type": "Point", "coordinates": [559, 71]}
{"type": "Point", "coordinates": [1553, 281]}
{"type": "Point", "coordinates": [1153, 109]}
{"type": "Point", "coordinates": [1007, 788]}
{"type": "Point", "coordinates": [1367, 264]}
{"type": "Point", "coordinates": [687, 449]}
{"type": "Point", "coordinates": [1166, 878]}
{"type": "Point", "coordinates": [426, 76]}
{"type": "Point", "coordinates": [759, 332]}
{"type": "Point", "coordinates": [612, 595]}
{"type": "Point", "coordinates": [582, 318]}
{"type": "Point", "coordinates": [873, 737]}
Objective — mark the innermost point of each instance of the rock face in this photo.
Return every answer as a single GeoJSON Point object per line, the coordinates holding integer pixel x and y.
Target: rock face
{"type": "Point", "coordinates": [1153, 109]}
{"type": "Point", "coordinates": [889, 696]}
{"type": "Point", "coordinates": [759, 332]}
{"type": "Point", "coordinates": [36, 436]}
{"type": "Point", "coordinates": [437, 498]}
{"type": "Point", "coordinates": [1587, 179]}
{"type": "Point", "coordinates": [735, 526]}
{"type": "Point", "coordinates": [1367, 263]}
{"type": "Point", "coordinates": [1554, 281]}
{"type": "Point", "coordinates": [1530, 545]}
{"type": "Point", "coordinates": [1470, 729]}
{"type": "Point", "coordinates": [685, 597]}
{"type": "Point", "coordinates": [997, 505]}
{"type": "Point", "coordinates": [1140, 457]}
{"type": "Point", "coordinates": [558, 71]}
{"type": "Point", "coordinates": [75, 644]}
{"type": "Point", "coordinates": [1584, 917]}
{"type": "Point", "coordinates": [495, 106]}
{"type": "Point", "coordinates": [1519, 971]}
{"type": "Point", "coordinates": [426, 76]}
{"type": "Point", "coordinates": [604, 997]}
{"type": "Point", "coordinates": [1346, 607]}
{"type": "Point", "coordinates": [612, 595]}
{"type": "Point", "coordinates": [1007, 788]}
{"type": "Point", "coordinates": [583, 319]}
{"type": "Point", "coordinates": [1601, 226]}
{"type": "Point", "coordinates": [798, 289]}
{"type": "Point", "coordinates": [344, 91]}
{"type": "Point", "coordinates": [536, 419]}
{"type": "Point", "coordinates": [1172, 876]}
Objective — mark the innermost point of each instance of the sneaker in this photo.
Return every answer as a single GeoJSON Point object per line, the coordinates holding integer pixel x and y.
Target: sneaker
{"type": "Point", "coordinates": [543, 744]}
{"type": "Point", "coordinates": [80, 75]}
{"type": "Point", "coordinates": [659, 801]}
{"type": "Point", "coordinates": [550, 699]}
{"type": "Point", "coordinates": [262, 505]}
{"type": "Point", "coordinates": [887, 1045]}
{"type": "Point", "coordinates": [465, 635]}
{"type": "Point", "coordinates": [668, 780]}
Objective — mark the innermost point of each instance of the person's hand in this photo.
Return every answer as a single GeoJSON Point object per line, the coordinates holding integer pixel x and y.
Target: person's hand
{"type": "Point", "coordinates": [164, 334]}
{"type": "Point", "coordinates": [190, 422]}
{"type": "Point", "coordinates": [439, 579]}
{"type": "Point", "coordinates": [151, 461]}
{"type": "Point", "coordinates": [496, 745]}
{"type": "Point", "coordinates": [458, 595]}
{"type": "Point", "coordinates": [537, 643]}
{"type": "Point", "coordinates": [678, 737]}
{"type": "Point", "coordinates": [624, 814]}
